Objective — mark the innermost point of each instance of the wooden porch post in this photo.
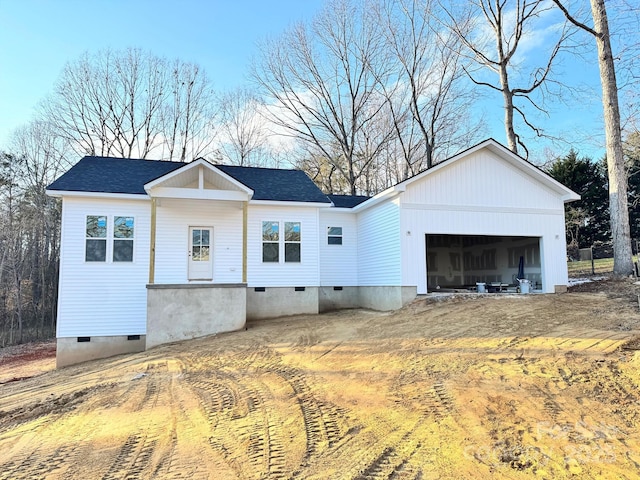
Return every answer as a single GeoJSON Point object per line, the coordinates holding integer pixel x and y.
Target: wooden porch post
{"type": "Point", "coordinates": [152, 243]}
{"type": "Point", "coordinates": [244, 241]}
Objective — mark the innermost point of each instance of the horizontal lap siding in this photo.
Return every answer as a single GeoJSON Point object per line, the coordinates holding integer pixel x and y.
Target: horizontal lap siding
{"type": "Point", "coordinates": [173, 219]}
{"type": "Point", "coordinates": [379, 245]}
{"type": "Point", "coordinates": [339, 263]}
{"type": "Point", "coordinates": [482, 179]}
{"type": "Point", "coordinates": [305, 273]}
{"type": "Point", "coordinates": [102, 298]}
{"type": "Point", "coordinates": [482, 195]}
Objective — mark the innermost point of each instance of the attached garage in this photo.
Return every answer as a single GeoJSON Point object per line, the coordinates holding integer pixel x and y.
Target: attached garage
{"type": "Point", "coordinates": [469, 219]}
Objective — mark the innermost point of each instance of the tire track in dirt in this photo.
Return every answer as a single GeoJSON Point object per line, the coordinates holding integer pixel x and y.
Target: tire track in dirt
{"type": "Point", "coordinates": [33, 460]}
{"type": "Point", "coordinates": [134, 458]}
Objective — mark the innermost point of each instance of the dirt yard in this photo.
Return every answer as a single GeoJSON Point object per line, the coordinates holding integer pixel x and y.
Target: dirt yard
{"type": "Point", "coordinates": [500, 386]}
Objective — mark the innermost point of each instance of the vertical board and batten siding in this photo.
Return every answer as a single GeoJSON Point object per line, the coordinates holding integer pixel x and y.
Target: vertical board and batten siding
{"type": "Point", "coordinates": [379, 245]}
{"type": "Point", "coordinates": [173, 219]}
{"type": "Point", "coordinates": [482, 195]}
{"type": "Point", "coordinates": [338, 263]}
{"type": "Point", "coordinates": [303, 274]}
{"type": "Point", "coordinates": [102, 298]}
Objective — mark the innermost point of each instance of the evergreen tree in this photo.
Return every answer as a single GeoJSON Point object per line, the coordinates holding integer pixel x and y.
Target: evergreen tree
{"type": "Point", "coordinates": [587, 220]}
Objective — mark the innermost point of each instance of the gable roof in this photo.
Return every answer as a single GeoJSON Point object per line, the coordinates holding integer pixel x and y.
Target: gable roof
{"type": "Point", "coordinates": [514, 159]}
{"type": "Point", "coordinates": [276, 184]}
{"type": "Point", "coordinates": [112, 175]}
{"type": "Point", "coordinates": [347, 201]}
{"type": "Point", "coordinates": [565, 193]}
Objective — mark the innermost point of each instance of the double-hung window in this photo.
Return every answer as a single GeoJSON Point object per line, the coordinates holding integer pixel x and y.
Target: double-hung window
{"type": "Point", "coordinates": [96, 239]}
{"type": "Point", "coordinates": [123, 239]}
{"type": "Point", "coordinates": [292, 242]}
{"type": "Point", "coordinates": [276, 246]}
{"type": "Point", "coordinates": [270, 242]}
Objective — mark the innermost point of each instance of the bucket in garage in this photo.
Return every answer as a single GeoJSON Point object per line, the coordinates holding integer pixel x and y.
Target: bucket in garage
{"type": "Point", "coordinates": [481, 287]}
{"type": "Point", "coordinates": [524, 285]}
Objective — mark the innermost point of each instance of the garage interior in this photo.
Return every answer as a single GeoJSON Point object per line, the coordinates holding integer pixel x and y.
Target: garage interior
{"type": "Point", "coordinates": [460, 262]}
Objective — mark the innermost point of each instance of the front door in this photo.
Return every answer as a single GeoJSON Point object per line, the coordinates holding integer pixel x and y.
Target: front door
{"type": "Point", "coordinates": [200, 253]}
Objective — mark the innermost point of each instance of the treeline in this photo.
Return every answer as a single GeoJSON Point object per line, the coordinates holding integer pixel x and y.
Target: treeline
{"type": "Point", "coordinates": [29, 236]}
{"type": "Point", "coordinates": [587, 220]}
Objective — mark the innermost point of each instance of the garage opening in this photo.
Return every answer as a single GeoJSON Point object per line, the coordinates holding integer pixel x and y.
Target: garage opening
{"type": "Point", "coordinates": [461, 262]}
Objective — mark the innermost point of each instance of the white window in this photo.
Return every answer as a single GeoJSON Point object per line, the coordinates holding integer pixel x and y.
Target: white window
{"type": "Point", "coordinates": [334, 235]}
{"type": "Point", "coordinates": [96, 239]}
{"type": "Point", "coordinates": [123, 234]}
{"type": "Point", "coordinates": [292, 242]}
{"type": "Point", "coordinates": [270, 242]}
{"type": "Point", "coordinates": [120, 232]}
{"type": "Point", "coordinates": [276, 246]}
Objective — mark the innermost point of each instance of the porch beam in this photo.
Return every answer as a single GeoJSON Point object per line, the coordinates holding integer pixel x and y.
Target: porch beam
{"type": "Point", "coordinates": [244, 241]}
{"type": "Point", "coordinates": [152, 243]}
{"type": "Point", "coordinates": [198, 194]}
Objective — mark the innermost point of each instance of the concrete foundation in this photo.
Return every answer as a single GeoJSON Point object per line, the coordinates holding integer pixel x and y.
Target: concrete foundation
{"type": "Point", "coordinates": [70, 351]}
{"type": "Point", "coordinates": [560, 289]}
{"type": "Point", "coordinates": [281, 301]}
{"type": "Point", "coordinates": [337, 298]}
{"type": "Point", "coordinates": [385, 298]}
{"type": "Point", "coordinates": [183, 312]}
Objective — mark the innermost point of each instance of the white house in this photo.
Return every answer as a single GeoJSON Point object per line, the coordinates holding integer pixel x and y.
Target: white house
{"type": "Point", "coordinates": [154, 252]}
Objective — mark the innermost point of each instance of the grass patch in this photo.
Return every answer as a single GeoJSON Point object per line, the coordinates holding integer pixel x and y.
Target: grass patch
{"type": "Point", "coordinates": [583, 267]}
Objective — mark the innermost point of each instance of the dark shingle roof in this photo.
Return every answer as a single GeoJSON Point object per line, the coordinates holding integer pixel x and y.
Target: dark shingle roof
{"type": "Point", "coordinates": [112, 175]}
{"type": "Point", "coordinates": [123, 175]}
{"type": "Point", "coordinates": [347, 201]}
{"type": "Point", "coordinates": [276, 184]}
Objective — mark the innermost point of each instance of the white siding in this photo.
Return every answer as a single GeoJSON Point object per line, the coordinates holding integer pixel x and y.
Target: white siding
{"type": "Point", "coordinates": [482, 195]}
{"type": "Point", "coordinates": [102, 298]}
{"type": "Point", "coordinates": [173, 219]}
{"type": "Point", "coordinates": [303, 274]}
{"type": "Point", "coordinates": [339, 263]}
{"type": "Point", "coordinates": [379, 245]}
{"type": "Point", "coordinates": [482, 179]}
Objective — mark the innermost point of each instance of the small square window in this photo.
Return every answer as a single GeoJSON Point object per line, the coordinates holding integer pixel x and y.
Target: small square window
{"type": "Point", "coordinates": [334, 235]}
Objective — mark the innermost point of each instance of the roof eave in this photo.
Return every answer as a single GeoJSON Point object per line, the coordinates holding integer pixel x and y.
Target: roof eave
{"type": "Point", "coordinates": [291, 203]}
{"type": "Point", "coordinates": [75, 193]}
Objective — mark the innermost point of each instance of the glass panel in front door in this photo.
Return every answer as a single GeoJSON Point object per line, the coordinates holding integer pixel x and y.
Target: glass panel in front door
{"type": "Point", "coordinates": [200, 243]}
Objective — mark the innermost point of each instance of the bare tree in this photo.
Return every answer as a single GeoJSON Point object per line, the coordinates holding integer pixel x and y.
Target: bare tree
{"type": "Point", "coordinates": [29, 233]}
{"type": "Point", "coordinates": [320, 84]}
{"type": "Point", "coordinates": [509, 23]}
{"type": "Point", "coordinates": [243, 134]}
{"type": "Point", "coordinates": [429, 89]}
{"type": "Point", "coordinates": [188, 115]}
{"type": "Point", "coordinates": [618, 202]}
{"type": "Point", "coordinates": [131, 103]}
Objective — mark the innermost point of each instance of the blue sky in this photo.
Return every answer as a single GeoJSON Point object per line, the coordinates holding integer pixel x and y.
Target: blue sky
{"type": "Point", "coordinates": [38, 37]}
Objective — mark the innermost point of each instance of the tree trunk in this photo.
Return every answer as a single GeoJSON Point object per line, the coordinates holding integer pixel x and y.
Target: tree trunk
{"type": "Point", "coordinates": [619, 210]}
{"type": "Point", "coordinates": [512, 142]}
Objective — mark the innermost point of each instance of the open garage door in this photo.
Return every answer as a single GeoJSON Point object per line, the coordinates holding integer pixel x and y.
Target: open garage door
{"type": "Point", "coordinates": [461, 261]}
